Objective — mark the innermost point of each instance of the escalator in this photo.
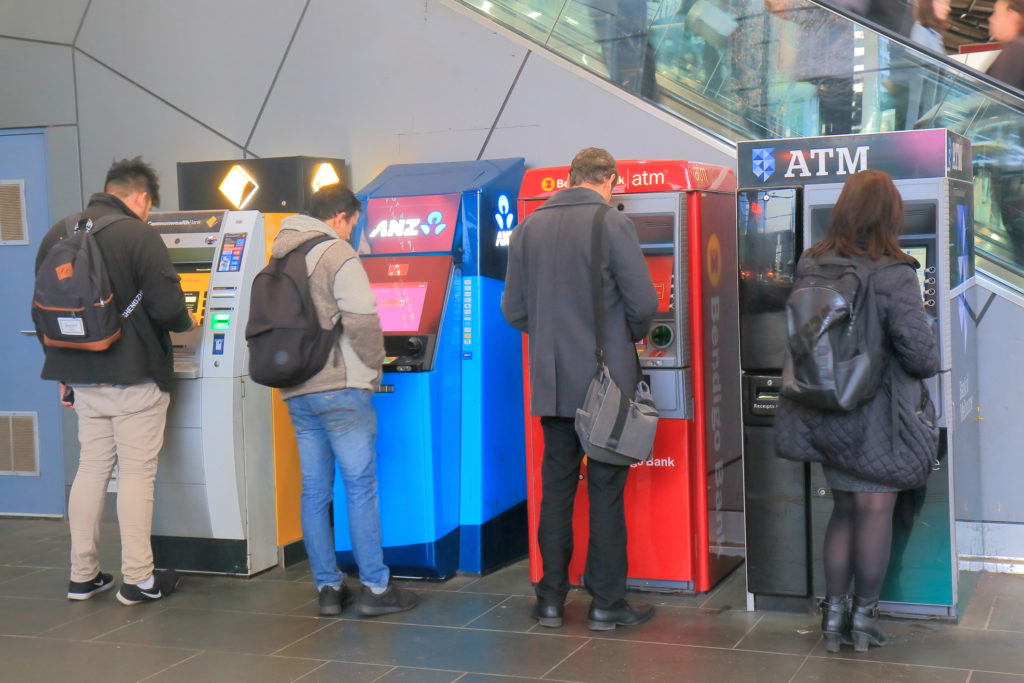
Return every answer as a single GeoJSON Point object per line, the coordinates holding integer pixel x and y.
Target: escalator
{"type": "Point", "coordinates": [741, 72]}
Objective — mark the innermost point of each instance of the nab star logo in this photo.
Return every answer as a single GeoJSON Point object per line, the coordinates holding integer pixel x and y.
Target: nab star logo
{"type": "Point", "coordinates": [505, 219]}
{"type": "Point", "coordinates": [762, 162]}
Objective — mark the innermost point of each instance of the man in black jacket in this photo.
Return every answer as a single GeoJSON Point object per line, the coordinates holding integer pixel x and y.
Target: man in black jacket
{"type": "Point", "coordinates": [121, 394]}
{"type": "Point", "coordinates": [547, 287]}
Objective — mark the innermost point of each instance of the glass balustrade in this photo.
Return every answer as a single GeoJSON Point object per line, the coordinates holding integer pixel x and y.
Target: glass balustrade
{"type": "Point", "coordinates": [751, 69]}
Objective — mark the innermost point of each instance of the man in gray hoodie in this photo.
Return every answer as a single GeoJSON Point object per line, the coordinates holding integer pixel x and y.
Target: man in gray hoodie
{"type": "Point", "coordinates": [332, 413]}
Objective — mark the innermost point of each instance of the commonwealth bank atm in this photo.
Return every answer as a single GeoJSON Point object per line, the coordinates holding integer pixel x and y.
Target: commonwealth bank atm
{"type": "Point", "coordinates": [214, 497]}
{"type": "Point", "coordinates": [452, 484]}
{"type": "Point", "coordinates": [684, 506]}
{"type": "Point", "coordinates": [787, 192]}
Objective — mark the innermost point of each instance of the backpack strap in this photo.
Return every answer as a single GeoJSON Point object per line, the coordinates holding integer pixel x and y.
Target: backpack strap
{"type": "Point", "coordinates": [79, 221]}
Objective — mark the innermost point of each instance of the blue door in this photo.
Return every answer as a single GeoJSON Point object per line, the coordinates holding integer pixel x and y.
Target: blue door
{"type": "Point", "coordinates": [31, 451]}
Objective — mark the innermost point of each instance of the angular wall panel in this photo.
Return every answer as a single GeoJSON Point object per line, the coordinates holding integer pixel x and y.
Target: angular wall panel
{"type": "Point", "coordinates": [37, 84]}
{"type": "Point", "coordinates": [416, 72]}
{"type": "Point", "coordinates": [214, 60]}
{"type": "Point", "coordinates": [119, 120]}
{"type": "Point", "coordinates": [53, 20]}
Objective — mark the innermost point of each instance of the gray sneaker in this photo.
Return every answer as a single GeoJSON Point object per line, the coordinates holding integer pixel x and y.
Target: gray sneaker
{"type": "Point", "coordinates": [393, 599]}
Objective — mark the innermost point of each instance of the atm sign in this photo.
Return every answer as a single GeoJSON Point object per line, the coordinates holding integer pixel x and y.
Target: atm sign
{"type": "Point", "coordinates": [412, 224]}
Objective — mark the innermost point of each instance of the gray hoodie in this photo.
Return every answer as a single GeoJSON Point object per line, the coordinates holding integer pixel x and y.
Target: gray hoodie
{"type": "Point", "coordinates": [339, 288]}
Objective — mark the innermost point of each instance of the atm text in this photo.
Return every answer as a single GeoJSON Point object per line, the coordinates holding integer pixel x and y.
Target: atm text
{"type": "Point", "coordinates": [844, 163]}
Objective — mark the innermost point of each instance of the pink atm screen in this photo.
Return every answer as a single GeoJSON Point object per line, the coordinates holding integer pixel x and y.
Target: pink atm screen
{"type": "Point", "coordinates": [410, 290]}
{"type": "Point", "coordinates": [400, 306]}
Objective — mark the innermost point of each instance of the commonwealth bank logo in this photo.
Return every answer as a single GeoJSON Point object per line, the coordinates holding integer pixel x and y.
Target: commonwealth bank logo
{"type": "Point", "coordinates": [762, 162]}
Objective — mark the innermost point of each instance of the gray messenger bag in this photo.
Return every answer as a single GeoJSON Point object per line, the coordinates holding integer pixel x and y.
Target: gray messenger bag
{"type": "Point", "coordinates": [613, 427]}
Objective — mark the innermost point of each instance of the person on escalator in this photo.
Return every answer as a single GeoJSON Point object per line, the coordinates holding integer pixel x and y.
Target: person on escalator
{"type": "Point", "coordinates": [621, 27]}
{"type": "Point", "coordinates": [932, 19]}
{"type": "Point", "coordinates": [1006, 25]}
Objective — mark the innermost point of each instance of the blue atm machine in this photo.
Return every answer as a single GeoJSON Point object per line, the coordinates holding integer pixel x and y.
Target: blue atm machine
{"type": "Point", "coordinates": [450, 431]}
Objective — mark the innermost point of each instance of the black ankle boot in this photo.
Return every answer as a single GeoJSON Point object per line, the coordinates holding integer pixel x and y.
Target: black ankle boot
{"type": "Point", "coordinates": [864, 629]}
{"type": "Point", "coordinates": [835, 621]}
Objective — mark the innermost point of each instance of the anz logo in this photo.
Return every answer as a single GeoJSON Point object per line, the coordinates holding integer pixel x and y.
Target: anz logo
{"type": "Point", "coordinates": [505, 219]}
{"type": "Point", "coordinates": [762, 163]}
{"type": "Point", "coordinates": [410, 227]}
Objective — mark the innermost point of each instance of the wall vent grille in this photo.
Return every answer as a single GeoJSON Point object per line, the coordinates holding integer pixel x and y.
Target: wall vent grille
{"type": "Point", "coordinates": [19, 444]}
{"type": "Point", "coordinates": [13, 223]}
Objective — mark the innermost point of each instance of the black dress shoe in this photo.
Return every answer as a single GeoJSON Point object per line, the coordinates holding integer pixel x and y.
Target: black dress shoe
{"type": "Point", "coordinates": [547, 614]}
{"type": "Point", "coordinates": [608, 619]}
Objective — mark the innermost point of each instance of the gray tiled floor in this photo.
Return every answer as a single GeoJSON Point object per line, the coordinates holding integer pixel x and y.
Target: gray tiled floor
{"type": "Point", "coordinates": [469, 629]}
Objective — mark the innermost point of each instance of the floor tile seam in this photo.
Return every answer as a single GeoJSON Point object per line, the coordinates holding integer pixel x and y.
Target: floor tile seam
{"type": "Point", "coordinates": [722, 648]}
{"type": "Point", "coordinates": [567, 657]}
{"type": "Point", "coordinates": [491, 609]}
{"type": "Point", "coordinates": [99, 642]}
{"type": "Point", "coordinates": [376, 622]}
{"type": "Point", "coordinates": [757, 622]}
{"type": "Point", "coordinates": [991, 611]}
{"type": "Point", "coordinates": [312, 671]}
{"type": "Point", "coordinates": [869, 660]}
{"type": "Point", "coordinates": [388, 673]}
{"type": "Point", "coordinates": [81, 618]}
{"type": "Point", "coordinates": [299, 640]}
{"type": "Point", "coordinates": [32, 572]}
{"type": "Point", "coordinates": [168, 668]}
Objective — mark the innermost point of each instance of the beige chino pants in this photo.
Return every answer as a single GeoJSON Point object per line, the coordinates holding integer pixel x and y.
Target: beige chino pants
{"type": "Point", "coordinates": [123, 425]}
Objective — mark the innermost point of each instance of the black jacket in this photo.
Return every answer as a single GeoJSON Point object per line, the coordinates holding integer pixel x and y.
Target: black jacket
{"type": "Point", "coordinates": [136, 258]}
{"type": "Point", "coordinates": [1009, 65]}
{"type": "Point", "coordinates": [547, 295]}
{"type": "Point", "coordinates": [806, 434]}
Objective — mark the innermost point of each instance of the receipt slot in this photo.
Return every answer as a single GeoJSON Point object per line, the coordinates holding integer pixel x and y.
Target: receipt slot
{"type": "Point", "coordinates": [788, 189]}
{"type": "Point", "coordinates": [683, 507]}
{"type": "Point", "coordinates": [452, 484]}
{"type": "Point", "coordinates": [214, 498]}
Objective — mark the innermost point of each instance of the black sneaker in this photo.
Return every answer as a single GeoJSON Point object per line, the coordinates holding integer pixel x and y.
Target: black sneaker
{"type": "Point", "coordinates": [83, 590]}
{"type": "Point", "coordinates": [164, 583]}
{"type": "Point", "coordinates": [332, 601]}
{"type": "Point", "coordinates": [393, 599]}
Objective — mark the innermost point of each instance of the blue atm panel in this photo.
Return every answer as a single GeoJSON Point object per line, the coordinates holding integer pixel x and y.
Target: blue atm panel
{"type": "Point", "coordinates": [451, 439]}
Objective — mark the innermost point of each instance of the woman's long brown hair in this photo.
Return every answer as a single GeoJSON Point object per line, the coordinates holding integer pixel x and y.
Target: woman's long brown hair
{"type": "Point", "coordinates": [867, 219]}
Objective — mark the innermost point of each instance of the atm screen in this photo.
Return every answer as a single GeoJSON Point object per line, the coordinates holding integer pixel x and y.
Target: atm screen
{"type": "Point", "coordinates": [231, 253]}
{"type": "Point", "coordinates": [661, 274]}
{"type": "Point", "coordinates": [191, 256]}
{"type": "Point", "coordinates": [921, 254]}
{"type": "Point", "coordinates": [654, 229]}
{"type": "Point", "coordinates": [410, 290]}
{"type": "Point", "coordinates": [400, 307]}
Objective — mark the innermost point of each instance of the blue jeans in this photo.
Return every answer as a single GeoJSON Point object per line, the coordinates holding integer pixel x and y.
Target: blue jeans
{"type": "Point", "coordinates": [339, 426]}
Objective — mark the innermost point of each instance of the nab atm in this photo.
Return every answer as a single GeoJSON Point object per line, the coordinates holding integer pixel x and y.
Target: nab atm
{"type": "Point", "coordinates": [452, 485]}
{"type": "Point", "coordinates": [214, 497]}
{"type": "Point", "coordinates": [788, 189]}
{"type": "Point", "coordinates": [683, 507]}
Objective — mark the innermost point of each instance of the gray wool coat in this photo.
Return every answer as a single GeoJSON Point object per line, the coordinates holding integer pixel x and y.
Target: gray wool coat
{"type": "Point", "coordinates": [547, 295]}
{"type": "Point", "coordinates": [803, 433]}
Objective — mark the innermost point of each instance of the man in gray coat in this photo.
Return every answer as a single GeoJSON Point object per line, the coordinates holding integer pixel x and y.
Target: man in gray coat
{"type": "Point", "coordinates": [547, 295]}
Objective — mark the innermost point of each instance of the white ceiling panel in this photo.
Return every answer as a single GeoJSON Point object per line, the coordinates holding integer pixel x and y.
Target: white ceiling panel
{"type": "Point", "coordinates": [40, 90]}
{"type": "Point", "coordinates": [119, 120]}
{"type": "Point", "coordinates": [53, 20]}
{"type": "Point", "coordinates": [420, 72]}
{"type": "Point", "coordinates": [214, 60]}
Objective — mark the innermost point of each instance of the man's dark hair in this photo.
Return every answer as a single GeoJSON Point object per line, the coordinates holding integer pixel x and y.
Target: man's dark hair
{"type": "Point", "coordinates": [330, 200]}
{"type": "Point", "coordinates": [592, 165]}
{"type": "Point", "coordinates": [128, 176]}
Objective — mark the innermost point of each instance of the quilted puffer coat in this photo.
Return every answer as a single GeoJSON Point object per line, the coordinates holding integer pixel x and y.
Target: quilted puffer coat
{"type": "Point", "coordinates": [866, 433]}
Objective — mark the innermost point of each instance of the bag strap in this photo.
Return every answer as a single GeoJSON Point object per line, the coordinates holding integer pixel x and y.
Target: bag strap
{"type": "Point", "coordinates": [303, 250]}
{"type": "Point", "coordinates": [77, 221]}
{"type": "Point", "coordinates": [596, 280]}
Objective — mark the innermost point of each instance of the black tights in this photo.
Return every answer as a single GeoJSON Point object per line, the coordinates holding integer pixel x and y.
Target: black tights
{"type": "Point", "coordinates": [858, 541]}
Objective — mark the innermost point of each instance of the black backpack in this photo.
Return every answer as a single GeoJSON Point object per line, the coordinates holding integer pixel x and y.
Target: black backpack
{"type": "Point", "coordinates": [287, 346]}
{"type": "Point", "coordinates": [73, 303]}
{"type": "Point", "coordinates": [834, 355]}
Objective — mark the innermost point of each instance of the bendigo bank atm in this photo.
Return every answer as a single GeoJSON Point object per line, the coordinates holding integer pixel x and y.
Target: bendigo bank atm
{"type": "Point", "coordinates": [787, 191]}
{"type": "Point", "coordinates": [434, 240]}
{"type": "Point", "coordinates": [214, 496]}
{"type": "Point", "coordinates": [684, 506]}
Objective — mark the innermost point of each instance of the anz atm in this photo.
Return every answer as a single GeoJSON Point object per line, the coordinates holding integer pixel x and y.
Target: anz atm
{"type": "Point", "coordinates": [787, 191]}
{"type": "Point", "coordinates": [214, 495]}
{"type": "Point", "coordinates": [684, 506]}
{"type": "Point", "coordinates": [433, 239]}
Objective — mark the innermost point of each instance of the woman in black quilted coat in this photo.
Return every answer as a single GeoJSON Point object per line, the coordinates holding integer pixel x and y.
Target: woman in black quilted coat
{"type": "Point", "coordinates": [867, 221]}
